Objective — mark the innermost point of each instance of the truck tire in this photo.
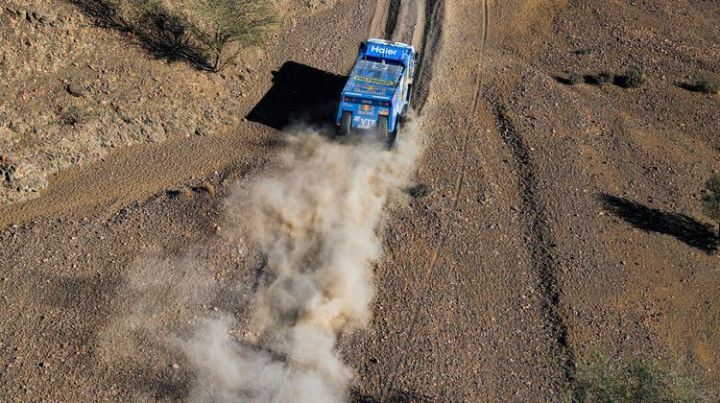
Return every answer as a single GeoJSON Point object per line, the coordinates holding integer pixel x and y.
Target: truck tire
{"type": "Point", "coordinates": [387, 137]}
{"type": "Point", "coordinates": [345, 124]}
{"type": "Point", "coordinates": [408, 99]}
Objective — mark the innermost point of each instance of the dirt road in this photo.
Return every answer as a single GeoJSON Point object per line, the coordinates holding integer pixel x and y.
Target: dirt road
{"type": "Point", "coordinates": [460, 265]}
{"type": "Point", "coordinates": [506, 272]}
{"type": "Point", "coordinates": [548, 221]}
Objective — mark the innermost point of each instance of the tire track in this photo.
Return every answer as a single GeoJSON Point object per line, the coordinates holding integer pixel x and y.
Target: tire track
{"type": "Point", "coordinates": [431, 25]}
{"type": "Point", "coordinates": [432, 33]}
{"type": "Point", "coordinates": [392, 20]}
{"type": "Point", "coordinates": [485, 33]}
{"type": "Point", "coordinates": [538, 239]}
{"type": "Point", "coordinates": [379, 21]}
{"type": "Point", "coordinates": [439, 250]}
{"type": "Point", "coordinates": [431, 41]}
{"type": "Point", "coordinates": [475, 104]}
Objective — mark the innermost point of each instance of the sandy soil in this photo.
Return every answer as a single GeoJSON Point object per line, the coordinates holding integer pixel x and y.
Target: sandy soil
{"type": "Point", "coordinates": [555, 220]}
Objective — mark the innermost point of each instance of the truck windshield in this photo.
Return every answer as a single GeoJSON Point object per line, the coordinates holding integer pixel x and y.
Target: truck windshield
{"type": "Point", "coordinates": [377, 73]}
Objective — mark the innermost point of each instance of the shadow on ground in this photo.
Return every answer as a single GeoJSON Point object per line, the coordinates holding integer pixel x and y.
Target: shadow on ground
{"type": "Point", "coordinates": [682, 227]}
{"type": "Point", "coordinates": [162, 34]}
{"type": "Point", "coordinates": [703, 87]}
{"type": "Point", "coordinates": [299, 93]}
{"type": "Point", "coordinates": [597, 80]}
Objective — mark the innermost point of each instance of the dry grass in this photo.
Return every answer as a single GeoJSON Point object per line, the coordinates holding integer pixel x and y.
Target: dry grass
{"type": "Point", "coordinates": [73, 115]}
{"type": "Point", "coordinates": [598, 379]}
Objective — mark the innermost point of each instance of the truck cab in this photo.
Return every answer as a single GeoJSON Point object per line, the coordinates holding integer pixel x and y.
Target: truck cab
{"type": "Point", "coordinates": [377, 93]}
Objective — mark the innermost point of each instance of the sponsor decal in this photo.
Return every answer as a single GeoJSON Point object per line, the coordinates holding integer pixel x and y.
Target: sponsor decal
{"type": "Point", "coordinates": [366, 109]}
{"type": "Point", "coordinates": [373, 80]}
{"type": "Point", "coordinates": [383, 50]}
{"type": "Point", "coordinates": [368, 90]}
{"type": "Point", "coordinates": [364, 123]}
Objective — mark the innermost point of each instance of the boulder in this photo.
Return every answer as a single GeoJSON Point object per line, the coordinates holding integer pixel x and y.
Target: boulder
{"type": "Point", "coordinates": [76, 90]}
{"type": "Point", "coordinates": [23, 177]}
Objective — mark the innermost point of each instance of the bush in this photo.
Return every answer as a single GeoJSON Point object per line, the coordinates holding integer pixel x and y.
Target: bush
{"type": "Point", "coordinates": [206, 33]}
{"type": "Point", "coordinates": [605, 77]}
{"type": "Point", "coordinates": [72, 115]}
{"type": "Point", "coordinates": [635, 78]}
{"type": "Point", "coordinates": [574, 79]}
{"type": "Point", "coordinates": [711, 199]}
{"type": "Point", "coordinates": [230, 25]}
{"type": "Point", "coordinates": [601, 380]}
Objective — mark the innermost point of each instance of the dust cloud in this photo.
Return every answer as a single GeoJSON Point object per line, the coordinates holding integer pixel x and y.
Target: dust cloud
{"type": "Point", "coordinates": [315, 219]}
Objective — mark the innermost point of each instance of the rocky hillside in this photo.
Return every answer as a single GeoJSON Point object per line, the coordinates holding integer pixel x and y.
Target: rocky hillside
{"type": "Point", "coordinates": [73, 91]}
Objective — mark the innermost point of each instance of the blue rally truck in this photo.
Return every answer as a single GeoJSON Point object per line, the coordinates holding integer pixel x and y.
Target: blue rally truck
{"type": "Point", "coordinates": [377, 93]}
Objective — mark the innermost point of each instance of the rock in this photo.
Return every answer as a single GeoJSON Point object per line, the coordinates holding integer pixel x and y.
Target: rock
{"type": "Point", "coordinates": [154, 133]}
{"type": "Point", "coordinates": [209, 188]}
{"type": "Point", "coordinates": [172, 129]}
{"type": "Point", "coordinates": [201, 131]}
{"type": "Point", "coordinates": [182, 192]}
{"type": "Point", "coordinates": [18, 127]}
{"type": "Point", "coordinates": [39, 17]}
{"type": "Point", "coordinates": [419, 191]}
{"type": "Point", "coordinates": [76, 90]}
{"type": "Point", "coordinates": [19, 14]}
{"type": "Point", "coordinates": [23, 177]}
{"type": "Point", "coordinates": [7, 170]}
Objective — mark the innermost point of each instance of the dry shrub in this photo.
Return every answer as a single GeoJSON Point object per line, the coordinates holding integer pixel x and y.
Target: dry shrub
{"type": "Point", "coordinates": [634, 78]}
{"type": "Point", "coordinates": [206, 33]}
{"type": "Point", "coordinates": [599, 379]}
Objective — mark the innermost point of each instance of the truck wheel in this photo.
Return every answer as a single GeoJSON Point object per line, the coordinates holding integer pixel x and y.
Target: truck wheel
{"type": "Point", "coordinates": [385, 135]}
{"type": "Point", "coordinates": [345, 124]}
{"type": "Point", "coordinates": [409, 99]}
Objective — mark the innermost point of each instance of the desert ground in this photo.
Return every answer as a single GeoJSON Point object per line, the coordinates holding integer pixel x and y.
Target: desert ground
{"type": "Point", "coordinates": [542, 221]}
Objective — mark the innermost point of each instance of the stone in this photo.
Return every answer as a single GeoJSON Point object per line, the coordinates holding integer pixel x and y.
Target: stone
{"type": "Point", "coordinates": [23, 177]}
{"type": "Point", "coordinates": [201, 131]}
{"type": "Point", "coordinates": [39, 17]}
{"type": "Point", "coordinates": [75, 90]}
{"type": "Point", "coordinates": [19, 14]}
{"type": "Point", "coordinates": [154, 133]}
